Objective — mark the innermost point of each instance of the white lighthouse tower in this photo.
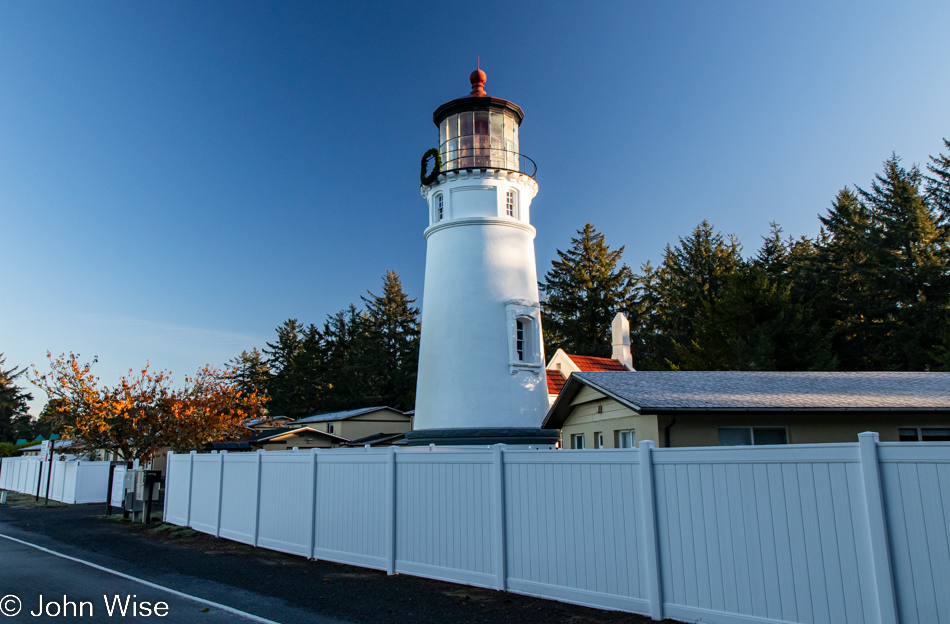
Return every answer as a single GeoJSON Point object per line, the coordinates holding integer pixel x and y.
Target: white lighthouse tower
{"type": "Point", "coordinates": [481, 361]}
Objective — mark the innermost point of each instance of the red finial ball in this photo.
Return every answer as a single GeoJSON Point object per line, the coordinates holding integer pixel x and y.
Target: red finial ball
{"type": "Point", "coordinates": [478, 79]}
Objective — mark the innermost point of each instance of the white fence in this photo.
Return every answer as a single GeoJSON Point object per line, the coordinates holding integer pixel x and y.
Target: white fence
{"type": "Point", "coordinates": [73, 482]}
{"type": "Point", "coordinates": [831, 533]}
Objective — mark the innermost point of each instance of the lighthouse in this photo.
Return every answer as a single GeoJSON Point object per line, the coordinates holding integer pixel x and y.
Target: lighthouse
{"type": "Point", "coordinates": [481, 377]}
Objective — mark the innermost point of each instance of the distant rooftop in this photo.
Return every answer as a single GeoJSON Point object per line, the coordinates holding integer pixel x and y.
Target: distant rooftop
{"type": "Point", "coordinates": [590, 363]}
{"type": "Point", "coordinates": [556, 380]}
{"type": "Point", "coordinates": [330, 416]}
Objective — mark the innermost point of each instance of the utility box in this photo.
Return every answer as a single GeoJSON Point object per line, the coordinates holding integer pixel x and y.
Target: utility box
{"type": "Point", "coordinates": [145, 481]}
{"type": "Point", "coordinates": [140, 491]}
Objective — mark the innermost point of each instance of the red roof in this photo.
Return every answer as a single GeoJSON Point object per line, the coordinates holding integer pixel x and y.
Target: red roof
{"type": "Point", "coordinates": [556, 381]}
{"type": "Point", "coordinates": [589, 364]}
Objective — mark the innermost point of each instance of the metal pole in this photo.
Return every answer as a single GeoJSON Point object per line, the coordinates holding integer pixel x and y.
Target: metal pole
{"type": "Point", "coordinates": [39, 478]}
{"type": "Point", "coordinates": [49, 472]}
{"type": "Point", "coordinates": [148, 504]}
{"type": "Point", "coordinates": [109, 491]}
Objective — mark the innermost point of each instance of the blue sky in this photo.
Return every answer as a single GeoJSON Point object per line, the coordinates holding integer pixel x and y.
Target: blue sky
{"type": "Point", "coordinates": [178, 178]}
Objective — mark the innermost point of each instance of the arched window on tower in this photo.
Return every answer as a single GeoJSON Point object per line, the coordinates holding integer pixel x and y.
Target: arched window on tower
{"type": "Point", "coordinates": [520, 338]}
{"type": "Point", "coordinates": [511, 203]}
{"type": "Point", "coordinates": [439, 207]}
{"type": "Point", "coordinates": [524, 337]}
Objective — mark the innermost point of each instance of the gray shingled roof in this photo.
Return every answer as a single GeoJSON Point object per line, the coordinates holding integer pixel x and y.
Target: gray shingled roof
{"type": "Point", "coordinates": [728, 390]}
{"type": "Point", "coordinates": [329, 416]}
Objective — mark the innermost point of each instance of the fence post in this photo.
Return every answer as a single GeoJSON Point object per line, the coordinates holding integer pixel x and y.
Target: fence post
{"type": "Point", "coordinates": [257, 497]}
{"type": "Point", "coordinates": [191, 477]}
{"type": "Point", "coordinates": [168, 480]}
{"type": "Point", "coordinates": [314, 466]}
{"type": "Point", "coordinates": [877, 524]}
{"type": "Point", "coordinates": [221, 455]}
{"type": "Point", "coordinates": [648, 520]}
{"type": "Point", "coordinates": [498, 487]}
{"type": "Point", "coordinates": [390, 542]}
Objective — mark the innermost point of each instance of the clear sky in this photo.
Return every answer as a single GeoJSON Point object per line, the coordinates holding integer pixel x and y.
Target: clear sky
{"type": "Point", "coordinates": [178, 178]}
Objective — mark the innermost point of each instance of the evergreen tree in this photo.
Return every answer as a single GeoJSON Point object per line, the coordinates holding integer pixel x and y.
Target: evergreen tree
{"type": "Point", "coordinates": [286, 385]}
{"type": "Point", "coordinates": [581, 294]}
{"type": "Point", "coordinates": [393, 349]}
{"type": "Point", "coordinates": [914, 291]}
{"type": "Point", "coordinates": [14, 409]}
{"type": "Point", "coordinates": [251, 372]}
{"type": "Point", "coordinates": [846, 273]}
{"type": "Point", "coordinates": [689, 282]}
{"type": "Point", "coordinates": [348, 365]}
{"type": "Point", "coordinates": [938, 184]}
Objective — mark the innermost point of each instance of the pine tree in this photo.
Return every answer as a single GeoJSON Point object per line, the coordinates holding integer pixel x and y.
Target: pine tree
{"type": "Point", "coordinates": [581, 294]}
{"type": "Point", "coordinates": [689, 282]}
{"type": "Point", "coordinates": [393, 333]}
{"type": "Point", "coordinates": [252, 374]}
{"type": "Point", "coordinates": [286, 384]}
{"type": "Point", "coordinates": [938, 184]}
{"type": "Point", "coordinates": [14, 409]}
{"type": "Point", "coordinates": [915, 285]}
{"type": "Point", "coordinates": [847, 273]}
{"type": "Point", "coordinates": [348, 363]}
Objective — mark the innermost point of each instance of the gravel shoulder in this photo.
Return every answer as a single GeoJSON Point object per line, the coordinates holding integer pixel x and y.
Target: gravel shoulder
{"type": "Point", "coordinates": [186, 560]}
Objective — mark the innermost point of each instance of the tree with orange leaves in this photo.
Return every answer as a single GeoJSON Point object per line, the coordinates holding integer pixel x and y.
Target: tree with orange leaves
{"type": "Point", "coordinates": [144, 413]}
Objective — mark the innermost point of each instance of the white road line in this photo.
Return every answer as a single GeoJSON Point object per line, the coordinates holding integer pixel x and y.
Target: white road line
{"type": "Point", "coordinates": [175, 592]}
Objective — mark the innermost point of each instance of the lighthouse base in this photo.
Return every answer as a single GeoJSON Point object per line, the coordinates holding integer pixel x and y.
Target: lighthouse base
{"type": "Point", "coordinates": [482, 436]}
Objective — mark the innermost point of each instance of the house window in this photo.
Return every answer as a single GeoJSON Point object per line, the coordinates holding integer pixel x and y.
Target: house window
{"type": "Point", "coordinates": [746, 436]}
{"type": "Point", "coordinates": [598, 439]}
{"type": "Point", "coordinates": [519, 339]}
{"type": "Point", "coordinates": [577, 440]}
{"type": "Point", "coordinates": [510, 203]}
{"type": "Point", "coordinates": [439, 206]}
{"type": "Point", "coordinates": [924, 434]}
{"type": "Point", "coordinates": [626, 438]}
{"type": "Point", "coordinates": [330, 428]}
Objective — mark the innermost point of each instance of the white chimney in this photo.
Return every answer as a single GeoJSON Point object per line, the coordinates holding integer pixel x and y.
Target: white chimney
{"type": "Point", "coordinates": [620, 330]}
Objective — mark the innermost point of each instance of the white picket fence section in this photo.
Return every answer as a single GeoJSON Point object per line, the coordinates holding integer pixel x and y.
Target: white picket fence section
{"type": "Point", "coordinates": [825, 534]}
{"type": "Point", "coordinates": [72, 482]}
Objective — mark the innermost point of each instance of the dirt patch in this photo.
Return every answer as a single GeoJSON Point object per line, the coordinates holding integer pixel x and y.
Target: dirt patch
{"type": "Point", "coordinates": [16, 500]}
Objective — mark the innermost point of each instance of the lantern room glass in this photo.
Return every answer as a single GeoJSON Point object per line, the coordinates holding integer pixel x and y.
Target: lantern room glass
{"type": "Point", "coordinates": [479, 139]}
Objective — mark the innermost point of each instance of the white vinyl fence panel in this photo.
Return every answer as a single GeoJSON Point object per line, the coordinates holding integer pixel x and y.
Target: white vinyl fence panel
{"type": "Point", "coordinates": [816, 534]}
{"type": "Point", "coordinates": [916, 481]}
{"type": "Point", "coordinates": [572, 527]}
{"type": "Point", "coordinates": [287, 502]}
{"type": "Point", "coordinates": [72, 482]}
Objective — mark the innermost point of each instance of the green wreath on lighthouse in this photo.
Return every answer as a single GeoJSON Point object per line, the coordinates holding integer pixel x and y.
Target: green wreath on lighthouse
{"type": "Point", "coordinates": [427, 180]}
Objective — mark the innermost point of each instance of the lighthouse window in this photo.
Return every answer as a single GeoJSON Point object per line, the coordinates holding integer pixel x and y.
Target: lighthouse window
{"type": "Point", "coordinates": [465, 124]}
{"type": "Point", "coordinates": [510, 204]}
{"type": "Point", "coordinates": [481, 122]}
{"type": "Point", "coordinates": [438, 207]}
{"type": "Point", "coordinates": [479, 139]}
{"type": "Point", "coordinates": [519, 340]}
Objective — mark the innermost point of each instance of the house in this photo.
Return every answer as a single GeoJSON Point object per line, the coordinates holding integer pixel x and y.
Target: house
{"type": "Point", "coordinates": [296, 437]}
{"type": "Point", "coordinates": [710, 408]}
{"type": "Point", "coordinates": [369, 425]}
{"type": "Point", "coordinates": [358, 423]}
{"type": "Point", "coordinates": [563, 365]}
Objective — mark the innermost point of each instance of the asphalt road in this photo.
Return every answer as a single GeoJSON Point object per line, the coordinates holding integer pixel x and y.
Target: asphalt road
{"type": "Point", "coordinates": [37, 585]}
{"type": "Point", "coordinates": [258, 582]}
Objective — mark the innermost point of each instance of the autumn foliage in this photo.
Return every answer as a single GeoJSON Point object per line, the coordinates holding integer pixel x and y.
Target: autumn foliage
{"type": "Point", "coordinates": [144, 413]}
